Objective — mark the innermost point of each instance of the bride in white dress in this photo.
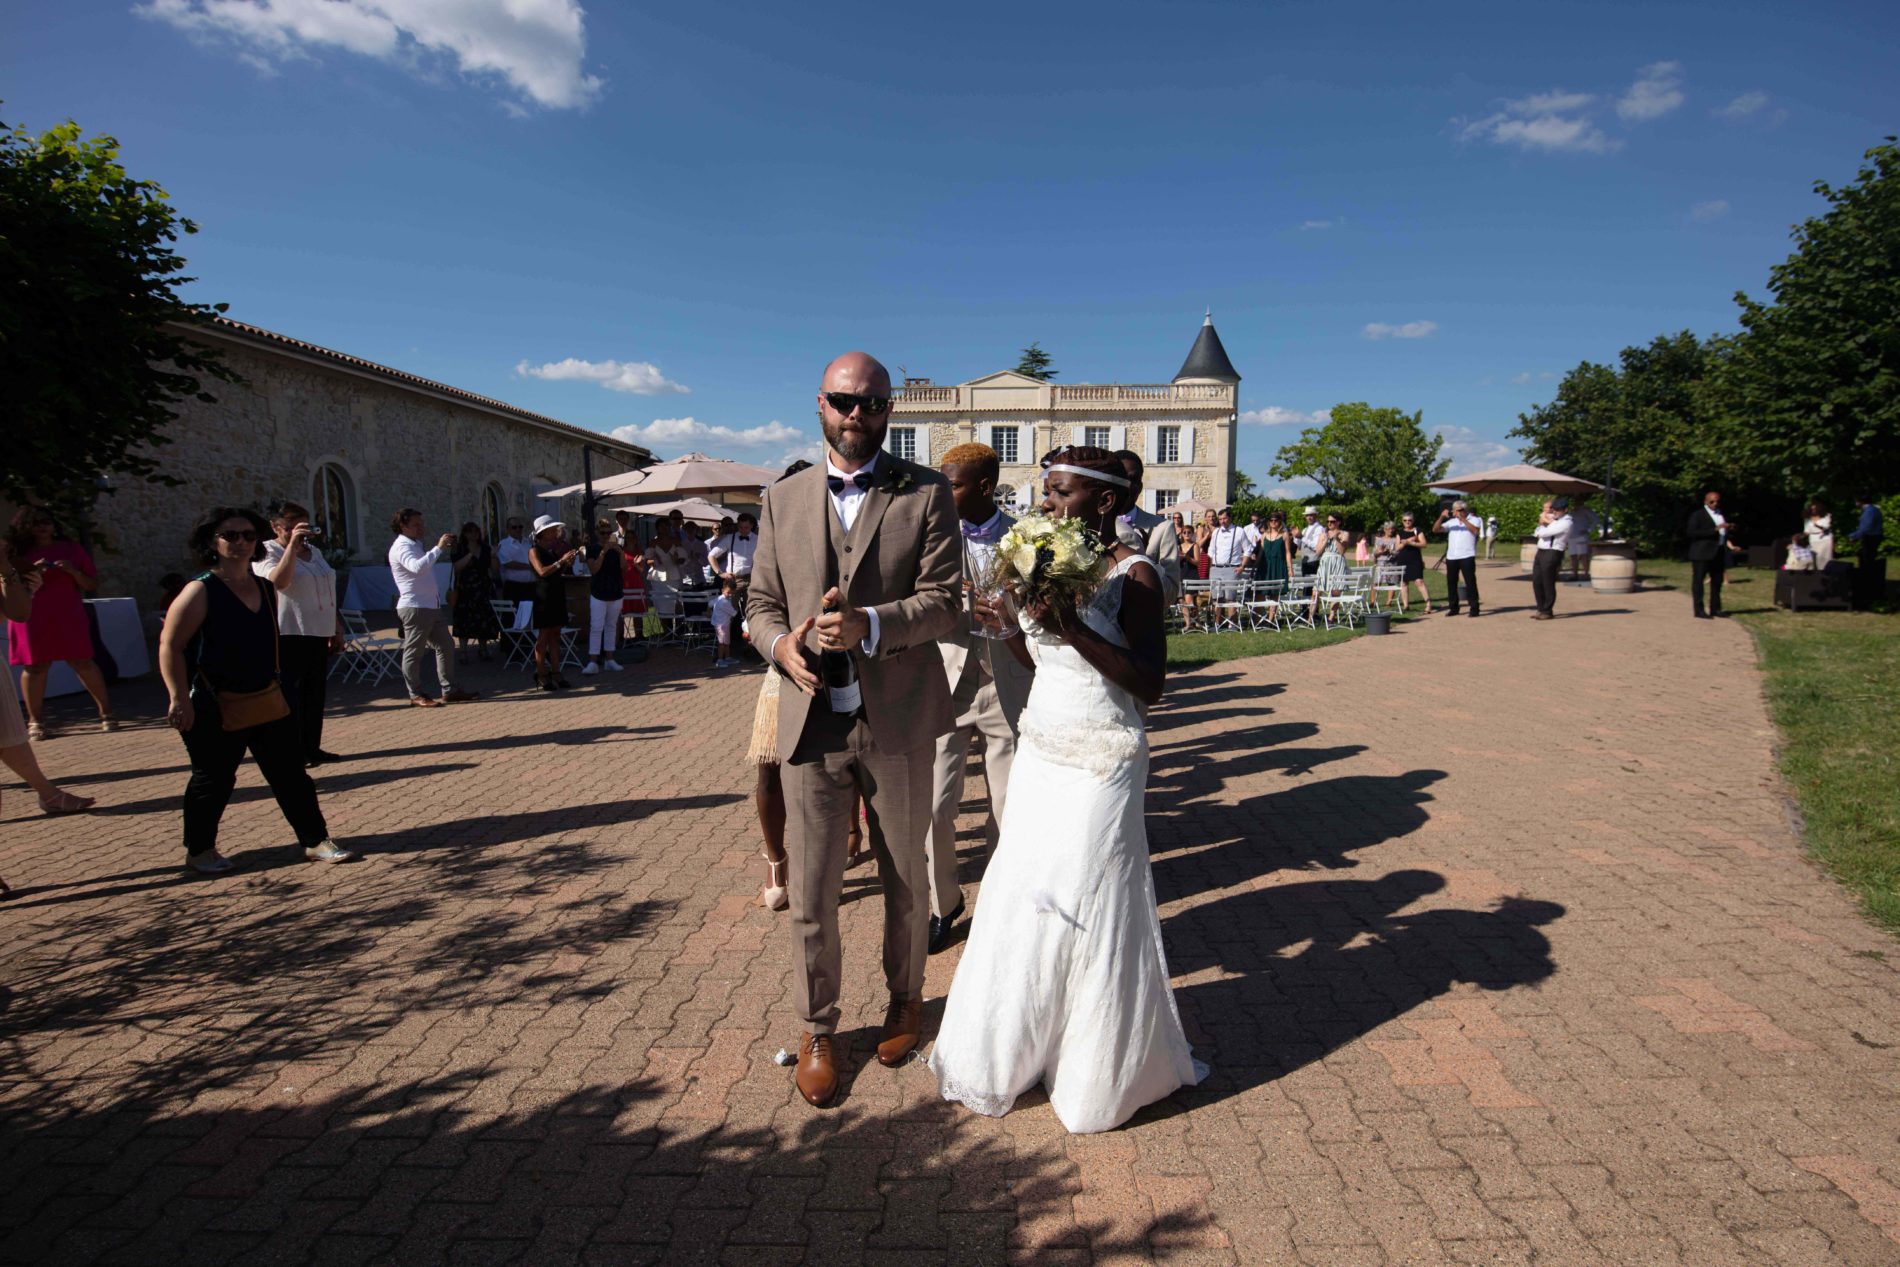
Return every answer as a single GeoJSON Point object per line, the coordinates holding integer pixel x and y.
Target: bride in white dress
{"type": "Point", "coordinates": [1064, 980]}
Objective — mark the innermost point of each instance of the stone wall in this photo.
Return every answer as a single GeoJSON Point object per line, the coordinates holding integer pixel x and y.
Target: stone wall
{"type": "Point", "coordinates": [397, 446]}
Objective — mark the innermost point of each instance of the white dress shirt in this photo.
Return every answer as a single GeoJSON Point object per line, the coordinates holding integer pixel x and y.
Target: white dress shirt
{"type": "Point", "coordinates": [733, 553]}
{"type": "Point", "coordinates": [1253, 536]}
{"type": "Point", "coordinates": [1461, 539]}
{"type": "Point", "coordinates": [307, 609]}
{"type": "Point", "coordinates": [1228, 547]}
{"type": "Point", "coordinates": [1554, 535]}
{"type": "Point", "coordinates": [513, 557]}
{"type": "Point", "coordinates": [1312, 536]}
{"type": "Point", "coordinates": [846, 503]}
{"type": "Point", "coordinates": [413, 566]}
{"type": "Point", "coordinates": [1721, 524]}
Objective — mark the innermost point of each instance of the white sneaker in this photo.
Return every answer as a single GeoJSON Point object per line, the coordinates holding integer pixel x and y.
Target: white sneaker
{"type": "Point", "coordinates": [210, 862]}
{"type": "Point", "coordinates": [329, 851]}
{"type": "Point", "coordinates": [613, 666]}
{"type": "Point", "coordinates": [590, 670]}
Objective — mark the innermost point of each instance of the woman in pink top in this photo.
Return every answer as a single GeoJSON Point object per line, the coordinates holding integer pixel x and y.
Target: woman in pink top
{"type": "Point", "coordinates": [57, 629]}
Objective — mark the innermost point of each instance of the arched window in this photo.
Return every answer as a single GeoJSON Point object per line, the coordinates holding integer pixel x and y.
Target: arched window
{"type": "Point", "coordinates": [492, 517]}
{"type": "Point", "coordinates": [332, 505]}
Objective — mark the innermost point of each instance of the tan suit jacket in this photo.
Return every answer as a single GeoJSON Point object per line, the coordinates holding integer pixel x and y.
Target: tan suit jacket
{"type": "Point", "coordinates": [1012, 679]}
{"type": "Point", "coordinates": [902, 559]}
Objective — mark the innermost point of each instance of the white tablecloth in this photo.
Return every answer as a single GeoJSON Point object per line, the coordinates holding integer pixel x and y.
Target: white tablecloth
{"type": "Point", "coordinates": [373, 589]}
{"type": "Point", "coordinates": [119, 630]}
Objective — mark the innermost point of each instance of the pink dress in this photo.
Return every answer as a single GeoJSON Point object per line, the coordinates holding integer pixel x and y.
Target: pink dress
{"type": "Point", "coordinates": [57, 629]}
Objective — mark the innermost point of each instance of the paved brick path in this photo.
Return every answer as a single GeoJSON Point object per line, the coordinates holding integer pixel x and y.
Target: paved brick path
{"type": "Point", "coordinates": [1496, 934]}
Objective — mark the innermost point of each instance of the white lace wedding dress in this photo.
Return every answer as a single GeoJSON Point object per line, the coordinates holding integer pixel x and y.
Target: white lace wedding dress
{"type": "Point", "coordinates": [1064, 980]}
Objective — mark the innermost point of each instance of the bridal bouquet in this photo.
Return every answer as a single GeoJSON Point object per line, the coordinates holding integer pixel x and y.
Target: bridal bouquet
{"type": "Point", "coordinates": [1058, 562]}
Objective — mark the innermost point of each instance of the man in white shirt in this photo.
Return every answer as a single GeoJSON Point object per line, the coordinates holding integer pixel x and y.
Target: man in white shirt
{"type": "Point", "coordinates": [1461, 533]}
{"type": "Point", "coordinates": [1256, 528]}
{"type": "Point", "coordinates": [419, 609]}
{"type": "Point", "coordinates": [1553, 536]}
{"type": "Point", "coordinates": [1490, 536]}
{"type": "Point", "coordinates": [1227, 549]}
{"type": "Point", "coordinates": [732, 554]}
{"type": "Point", "coordinates": [1150, 533]}
{"type": "Point", "coordinates": [1312, 537]}
{"type": "Point", "coordinates": [511, 552]}
{"type": "Point", "coordinates": [306, 621]}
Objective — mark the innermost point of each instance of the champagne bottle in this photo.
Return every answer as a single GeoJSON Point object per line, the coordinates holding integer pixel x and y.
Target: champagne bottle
{"type": "Point", "coordinates": [840, 674]}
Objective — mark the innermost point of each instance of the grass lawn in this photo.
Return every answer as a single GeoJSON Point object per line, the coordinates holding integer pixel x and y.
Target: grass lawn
{"type": "Point", "coordinates": [1831, 680]}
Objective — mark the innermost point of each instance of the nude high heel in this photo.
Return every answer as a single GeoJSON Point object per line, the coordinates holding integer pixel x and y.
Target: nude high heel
{"type": "Point", "coordinates": [773, 897]}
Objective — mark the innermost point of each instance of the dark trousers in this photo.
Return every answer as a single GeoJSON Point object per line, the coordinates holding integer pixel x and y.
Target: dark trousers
{"type": "Point", "coordinates": [1544, 570]}
{"type": "Point", "coordinates": [1309, 567]}
{"type": "Point", "coordinates": [518, 591]}
{"type": "Point", "coordinates": [1869, 577]}
{"type": "Point", "coordinates": [1467, 569]}
{"type": "Point", "coordinates": [306, 683]}
{"type": "Point", "coordinates": [216, 754]}
{"type": "Point", "coordinates": [1715, 570]}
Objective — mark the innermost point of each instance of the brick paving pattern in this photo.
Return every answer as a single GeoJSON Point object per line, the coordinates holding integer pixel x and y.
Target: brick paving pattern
{"type": "Point", "coordinates": [1496, 934]}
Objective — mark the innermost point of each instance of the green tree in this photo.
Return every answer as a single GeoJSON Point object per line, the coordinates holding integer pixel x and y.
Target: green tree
{"type": "Point", "coordinates": [1809, 392]}
{"type": "Point", "coordinates": [90, 359]}
{"type": "Point", "coordinates": [1243, 486]}
{"type": "Point", "coordinates": [1035, 363]}
{"type": "Point", "coordinates": [1377, 460]}
{"type": "Point", "coordinates": [1643, 427]}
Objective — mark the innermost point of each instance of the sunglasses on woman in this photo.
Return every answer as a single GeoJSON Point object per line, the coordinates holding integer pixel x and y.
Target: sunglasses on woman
{"type": "Point", "coordinates": [246, 534]}
{"type": "Point", "coordinates": [845, 402]}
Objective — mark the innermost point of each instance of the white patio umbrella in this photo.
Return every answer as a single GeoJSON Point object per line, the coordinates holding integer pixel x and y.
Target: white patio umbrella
{"type": "Point", "coordinates": [682, 477]}
{"type": "Point", "coordinates": [1517, 479]}
{"type": "Point", "coordinates": [1192, 507]}
{"type": "Point", "coordinates": [690, 508]}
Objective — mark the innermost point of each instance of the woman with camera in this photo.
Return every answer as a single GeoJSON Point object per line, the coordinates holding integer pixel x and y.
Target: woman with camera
{"type": "Point", "coordinates": [58, 629]}
{"type": "Point", "coordinates": [306, 619]}
{"type": "Point", "coordinates": [221, 659]}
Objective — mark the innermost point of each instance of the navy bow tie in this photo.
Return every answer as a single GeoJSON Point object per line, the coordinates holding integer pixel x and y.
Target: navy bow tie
{"type": "Point", "coordinates": [837, 482]}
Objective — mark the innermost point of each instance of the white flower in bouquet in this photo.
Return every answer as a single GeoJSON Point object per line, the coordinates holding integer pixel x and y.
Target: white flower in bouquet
{"type": "Point", "coordinates": [1052, 559]}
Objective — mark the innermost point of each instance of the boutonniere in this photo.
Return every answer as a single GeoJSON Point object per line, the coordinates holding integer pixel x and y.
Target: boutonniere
{"type": "Point", "coordinates": [898, 480]}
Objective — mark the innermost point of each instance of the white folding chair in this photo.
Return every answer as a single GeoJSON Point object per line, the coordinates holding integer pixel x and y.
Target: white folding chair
{"type": "Point", "coordinates": [517, 639]}
{"type": "Point", "coordinates": [372, 656]}
{"type": "Point", "coordinates": [1388, 581]}
{"type": "Point", "coordinates": [1195, 613]}
{"type": "Point", "coordinates": [668, 611]}
{"type": "Point", "coordinates": [1228, 598]}
{"type": "Point", "coordinates": [1262, 603]}
{"type": "Point", "coordinates": [1348, 605]}
{"type": "Point", "coordinates": [1299, 603]}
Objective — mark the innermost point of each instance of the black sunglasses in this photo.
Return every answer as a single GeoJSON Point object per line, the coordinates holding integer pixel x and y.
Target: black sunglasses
{"type": "Point", "coordinates": [245, 534]}
{"type": "Point", "coordinates": [845, 402]}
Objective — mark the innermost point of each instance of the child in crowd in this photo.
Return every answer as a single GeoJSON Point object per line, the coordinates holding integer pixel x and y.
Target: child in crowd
{"type": "Point", "coordinates": [1800, 555]}
{"type": "Point", "coordinates": [723, 610]}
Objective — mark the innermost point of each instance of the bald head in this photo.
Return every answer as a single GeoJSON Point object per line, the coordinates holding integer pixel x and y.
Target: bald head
{"type": "Point", "coordinates": [858, 373]}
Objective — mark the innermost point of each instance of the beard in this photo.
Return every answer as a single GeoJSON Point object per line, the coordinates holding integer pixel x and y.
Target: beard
{"type": "Point", "coordinates": [854, 445]}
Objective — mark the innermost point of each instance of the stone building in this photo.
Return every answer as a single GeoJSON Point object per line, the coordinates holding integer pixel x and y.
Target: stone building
{"type": "Point", "coordinates": [1183, 429]}
{"type": "Point", "coordinates": [352, 440]}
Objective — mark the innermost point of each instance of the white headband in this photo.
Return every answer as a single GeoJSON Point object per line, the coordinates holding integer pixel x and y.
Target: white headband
{"type": "Point", "coordinates": [1103, 476]}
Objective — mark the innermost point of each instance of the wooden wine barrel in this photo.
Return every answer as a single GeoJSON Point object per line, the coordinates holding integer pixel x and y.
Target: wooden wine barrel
{"type": "Point", "coordinates": [1612, 567]}
{"type": "Point", "coordinates": [1528, 554]}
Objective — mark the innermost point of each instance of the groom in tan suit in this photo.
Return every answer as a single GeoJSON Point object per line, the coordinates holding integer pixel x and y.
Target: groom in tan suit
{"type": "Point", "coordinates": [878, 536]}
{"type": "Point", "coordinates": [988, 688]}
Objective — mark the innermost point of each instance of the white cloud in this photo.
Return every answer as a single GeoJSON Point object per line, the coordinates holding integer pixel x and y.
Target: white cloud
{"type": "Point", "coordinates": [1521, 379]}
{"type": "Point", "coordinates": [1543, 121]}
{"type": "Point", "coordinates": [1557, 102]}
{"type": "Point", "coordinates": [1275, 416]}
{"type": "Point", "coordinates": [1714, 209]}
{"type": "Point", "coordinates": [1469, 451]}
{"type": "Point", "coordinates": [1656, 92]}
{"type": "Point", "coordinates": [1317, 224]}
{"type": "Point", "coordinates": [1743, 106]}
{"type": "Point", "coordinates": [1291, 492]}
{"type": "Point", "coordinates": [677, 432]}
{"type": "Point", "coordinates": [535, 47]}
{"type": "Point", "coordinates": [638, 378]}
{"type": "Point", "coordinates": [1410, 330]}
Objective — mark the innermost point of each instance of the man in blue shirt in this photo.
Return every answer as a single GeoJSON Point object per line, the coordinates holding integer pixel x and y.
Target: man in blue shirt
{"type": "Point", "coordinates": [1870, 575]}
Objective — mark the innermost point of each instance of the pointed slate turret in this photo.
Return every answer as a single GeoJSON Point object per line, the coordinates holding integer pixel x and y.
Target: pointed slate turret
{"type": "Point", "coordinates": [1208, 359]}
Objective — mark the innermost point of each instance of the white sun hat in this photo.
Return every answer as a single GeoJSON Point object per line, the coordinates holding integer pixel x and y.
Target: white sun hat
{"type": "Point", "coordinates": [545, 522]}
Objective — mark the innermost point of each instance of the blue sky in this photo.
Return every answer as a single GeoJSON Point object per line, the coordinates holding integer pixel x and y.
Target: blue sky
{"type": "Point", "coordinates": [1434, 207]}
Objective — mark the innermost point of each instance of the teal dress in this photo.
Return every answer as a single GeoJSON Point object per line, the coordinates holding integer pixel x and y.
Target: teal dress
{"type": "Point", "coordinates": [1272, 565]}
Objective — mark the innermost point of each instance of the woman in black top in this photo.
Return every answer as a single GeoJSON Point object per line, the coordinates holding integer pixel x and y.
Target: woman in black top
{"type": "Point", "coordinates": [551, 558]}
{"type": "Point", "coordinates": [475, 574]}
{"type": "Point", "coordinates": [221, 635]}
{"type": "Point", "coordinates": [1410, 557]}
{"type": "Point", "coordinates": [604, 595]}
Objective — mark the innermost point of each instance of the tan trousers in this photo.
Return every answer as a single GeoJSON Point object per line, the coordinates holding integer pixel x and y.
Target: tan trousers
{"type": "Point", "coordinates": [834, 761]}
{"type": "Point", "coordinates": [983, 716]}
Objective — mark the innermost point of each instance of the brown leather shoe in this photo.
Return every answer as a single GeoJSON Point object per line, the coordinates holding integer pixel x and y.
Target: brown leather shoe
{"type": "Point", "coordinates": [459, 696]}
{"type": "Point", "coordinates": [425, 701]}
{"type": "Point", "coordinates": [903, 1026]}
{"type": "Point", "coordinates": [816, 1075]}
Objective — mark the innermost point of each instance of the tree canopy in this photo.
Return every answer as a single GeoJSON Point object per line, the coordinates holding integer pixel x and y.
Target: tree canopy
{"type": "Point", "coordinates": [1035, 363]}
{"type": "Point", "coordinates": [1377, 460]}
{"type": "Point", "coordinates": [88, 287]}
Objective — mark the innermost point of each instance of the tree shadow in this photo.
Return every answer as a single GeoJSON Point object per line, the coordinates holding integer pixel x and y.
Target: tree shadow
{"type": "Point", "coordinates": [484, 830]}
{"type": "Point", "coordinates": [329, 780]}
{"type": "Point", "coordinates": [578, 736]}
{"type": "Point", "coordinates": [1362, 961]}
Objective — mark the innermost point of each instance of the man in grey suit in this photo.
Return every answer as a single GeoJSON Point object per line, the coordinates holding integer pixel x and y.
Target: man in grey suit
{"type": "Point", "coordinates": [1150, 533]}
{"type": "Point", "coordinates": [988, 688]}
{"type": "Point", "coordinates": [857, 555]}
